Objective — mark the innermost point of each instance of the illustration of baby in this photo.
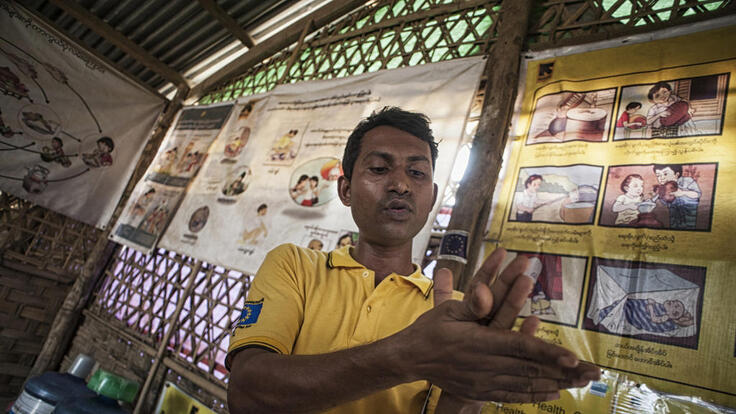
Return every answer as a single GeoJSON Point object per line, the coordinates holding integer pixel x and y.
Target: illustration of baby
{"type": "Point", "coordinates": [258, 229]}
{"type": "Point", "coordinates": [626, 205]}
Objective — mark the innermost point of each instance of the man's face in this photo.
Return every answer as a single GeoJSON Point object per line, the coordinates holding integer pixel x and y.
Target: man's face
{"type": "Point", "coordinates": [661, 96]}
{"type": "Point", "coordinates": [391, 191]}
{"type": "Point", "coordinates": [534, 185]}
{"type": "Point", "coordinates": [665, 175]}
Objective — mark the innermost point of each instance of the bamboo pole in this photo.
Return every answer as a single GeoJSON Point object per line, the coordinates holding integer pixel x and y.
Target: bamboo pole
{"type": "Point", "coordinates": [473, 197]}
{"type": "Point", "coordinates": [65, 322]}
{"type": "Point", "coordinates": [172, 324]}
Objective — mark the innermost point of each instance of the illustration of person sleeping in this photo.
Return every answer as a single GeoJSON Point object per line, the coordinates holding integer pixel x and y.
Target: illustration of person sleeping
{"type": "Point", "coordinates": [652, 316]}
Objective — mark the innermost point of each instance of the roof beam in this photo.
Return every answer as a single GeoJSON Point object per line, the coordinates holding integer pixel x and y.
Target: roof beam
{"type": "Point", "coordinates": [113, 36]}
{"type": "Point", "coordinates": [283, 39]}
{"type": "Point", "coordinates": [230, 24]}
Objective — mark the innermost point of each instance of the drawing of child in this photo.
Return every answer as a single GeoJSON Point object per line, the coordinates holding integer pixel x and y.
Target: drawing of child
{"type": "Point", "coordinates": [298, 193]}
{"type": "Point", "coordinates": [627, 204]}
{"type": "Point", "coordinates": [100, 157]}
{"type": "Point", "coordinates": [258, 229]}
{"type": "Point", "coordinates": [55, 153]}
{"type": "Point", "coordinates": [684, 198]}
{"type": "Point", "coordinates": [315, 244]}
{"type": "Point", "coordinates": [345, 240]}
{"type": "Point", "coordinates": [283, 148]}
{"type": "Point", "coordinates": [628, 118]}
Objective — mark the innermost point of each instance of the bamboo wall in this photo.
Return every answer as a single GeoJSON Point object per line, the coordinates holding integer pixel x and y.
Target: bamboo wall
{"type": "Point", "coordinates": [167, 317]}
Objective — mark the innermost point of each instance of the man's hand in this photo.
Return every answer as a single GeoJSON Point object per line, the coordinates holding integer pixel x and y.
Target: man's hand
{"type": "Point", "coordinates": [478, 362]}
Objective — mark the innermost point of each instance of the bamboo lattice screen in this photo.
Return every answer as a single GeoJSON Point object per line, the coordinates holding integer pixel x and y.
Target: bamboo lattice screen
{"type": "Point", "coordinates": [138, 297]}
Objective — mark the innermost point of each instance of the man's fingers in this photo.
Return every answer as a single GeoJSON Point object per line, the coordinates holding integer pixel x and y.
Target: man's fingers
{"type": "Point", "coordinates": [442, 286]}
{"type": "Point", "coordinates": [480, 301]}
{"type": "Point", "coordinates": [505, 314]}
{"type": "Point", "coordinates": [521, 346]}
{"type": "Point", "coordinates": [506, 280]}
{"type": "Point", "coordinates": [529, 326]}
{"type": "Point", "coordinates": [489, 269]}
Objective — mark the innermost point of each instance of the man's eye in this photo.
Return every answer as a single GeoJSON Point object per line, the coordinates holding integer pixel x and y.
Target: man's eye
{"type": "Point", "coordinates": [417, 173]}
{"type": "Point", "coordinates": [378, 170]}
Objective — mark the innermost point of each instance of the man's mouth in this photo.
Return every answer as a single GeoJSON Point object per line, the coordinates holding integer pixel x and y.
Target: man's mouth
{"type": "Point", "coordinates": [398, 209]}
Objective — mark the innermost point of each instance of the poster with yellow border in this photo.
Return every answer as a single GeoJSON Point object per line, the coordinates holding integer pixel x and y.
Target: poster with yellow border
{"type": "Point", "coordinates": [619, 192]}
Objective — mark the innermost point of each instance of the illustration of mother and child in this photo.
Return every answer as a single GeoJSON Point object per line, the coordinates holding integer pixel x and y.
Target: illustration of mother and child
{"type": "Point", "coordinates": [668, 116]}
{"type": "Point", "coordinates": [680, 194]}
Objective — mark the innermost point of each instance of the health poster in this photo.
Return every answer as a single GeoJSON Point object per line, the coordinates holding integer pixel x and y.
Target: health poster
{"type": "Point", "coordinates": [71, 128]}
{"type": "Point", "coordinates": [619, 193]}
{"type": "Point", "coordinates": [271, 176]}
{"type": "Point", "coordinates": [157, 195]}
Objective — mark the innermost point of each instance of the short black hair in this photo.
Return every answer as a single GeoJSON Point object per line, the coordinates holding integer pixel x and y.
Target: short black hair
{"type": "Point", "coordinates": [261, 207]}
{"type": "Point", "coordinates": [107, 141]}
{"type": "Point", "coordinates": [531, 179]}
{"type": "Point", "coordinates": [633, 105]}
{"type": "Point", "coordinates": [657, 86]}
{"type": "Point", "coordinates": [676, 168]}
{"type": "Point", "coordinates": [413, 123]}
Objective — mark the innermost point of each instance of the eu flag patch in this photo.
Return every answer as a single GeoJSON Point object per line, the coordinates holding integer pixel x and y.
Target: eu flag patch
{"type": "Point", "coordinates": [250, 313]}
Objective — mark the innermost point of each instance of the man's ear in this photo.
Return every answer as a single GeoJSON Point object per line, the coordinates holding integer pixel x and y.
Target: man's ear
{"type": "Point", "coordinates": [343, 190]}
{"type": "Point", "coordinates": [434, 196]}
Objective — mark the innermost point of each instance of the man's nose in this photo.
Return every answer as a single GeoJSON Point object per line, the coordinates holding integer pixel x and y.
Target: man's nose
{"type": "Point", "coordinates": [399, 182]}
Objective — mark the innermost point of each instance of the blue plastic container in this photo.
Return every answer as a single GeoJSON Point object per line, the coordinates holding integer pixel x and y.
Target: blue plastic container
{"type": "Point", "coordinates": [97, 405]}
{"type": "Point", "coordinates": [42, 393]}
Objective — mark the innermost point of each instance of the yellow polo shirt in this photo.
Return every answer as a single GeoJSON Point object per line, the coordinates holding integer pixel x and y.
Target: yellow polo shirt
{"type": "Point", "coordinates": [308, 302]}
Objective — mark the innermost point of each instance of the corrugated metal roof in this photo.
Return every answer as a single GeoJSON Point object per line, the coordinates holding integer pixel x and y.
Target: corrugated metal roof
{"type": "Point", "coordinates": [179, 33]}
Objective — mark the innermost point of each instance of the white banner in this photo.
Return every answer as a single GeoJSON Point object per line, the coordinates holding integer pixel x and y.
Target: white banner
{"type": "Point", "coordinates": [156, 196]}
{"type": "Point", "coordinates": [71, 128]}
{"type": "Point", "coordinates": [271, 176]}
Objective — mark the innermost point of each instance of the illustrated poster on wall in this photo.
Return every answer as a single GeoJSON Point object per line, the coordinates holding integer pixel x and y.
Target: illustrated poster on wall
{"type": "Point", "coordinates": [279, 185]}
{"type": "Point", "coordinates": [65, 143]}
{"type": "Point", "coordinates": [157, 195]}
{"type": "Point", "coordinates": [625, 165]}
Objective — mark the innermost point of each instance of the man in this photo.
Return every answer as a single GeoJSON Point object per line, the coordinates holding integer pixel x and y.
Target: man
{"type": "Point", "coordinates": [682, 203]}
{"type": "Point", "coordinates": [360, 330]}
{"type": "Point", "coordinates": [527, 200]}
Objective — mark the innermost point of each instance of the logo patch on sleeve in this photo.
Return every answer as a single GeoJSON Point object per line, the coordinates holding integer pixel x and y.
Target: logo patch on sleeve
{"type": "Point", "coordinates": [250, 314]}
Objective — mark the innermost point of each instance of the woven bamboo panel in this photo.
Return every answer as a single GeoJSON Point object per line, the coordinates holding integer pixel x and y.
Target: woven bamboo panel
{"type": "Point", "coordinates": [397, 33]}
{"type": "Point", "coordinates": [42, 238]}
{"type": "Point", "coordinates": [562, 22]}
{"type": "Point", "coordinates": [142, 291]}
{"type": "Point", "coordinates": [112, 349]}
{"type": "Point", "coordinates": [28, 304]}
{"type": "Point", "coordinates": [206, 321]}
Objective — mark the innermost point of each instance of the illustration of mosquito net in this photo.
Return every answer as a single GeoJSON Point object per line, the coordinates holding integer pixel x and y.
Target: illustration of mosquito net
{"type": "Point", "coordinates": [644, 301]}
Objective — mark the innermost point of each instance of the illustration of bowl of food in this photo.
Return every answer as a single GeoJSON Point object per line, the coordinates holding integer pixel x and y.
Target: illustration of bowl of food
{"type": "Point", "coordinates": [587, 123]}
{"type": "Point", "coordinates": [646, 206]}
{"type": "Point", "coordinates": [580, 205]}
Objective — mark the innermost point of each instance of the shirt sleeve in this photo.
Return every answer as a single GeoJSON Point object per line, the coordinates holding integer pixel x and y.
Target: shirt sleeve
{"type": "Point", "coordinates": [273, 312]}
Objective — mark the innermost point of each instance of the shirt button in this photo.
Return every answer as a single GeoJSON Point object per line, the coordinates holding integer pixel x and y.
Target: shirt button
{"type": "Point", "coordinates": [368, 308]}
{"type": "Point", "coordinates": [365, 274]}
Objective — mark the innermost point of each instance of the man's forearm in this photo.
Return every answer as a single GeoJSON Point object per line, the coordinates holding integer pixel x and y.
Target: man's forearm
{"type": "Point", "coordinates": [262, 381]}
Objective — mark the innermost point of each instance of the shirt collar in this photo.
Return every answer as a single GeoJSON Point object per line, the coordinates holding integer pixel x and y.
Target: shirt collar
{"type": "Point", "coordinates": [341, 258]}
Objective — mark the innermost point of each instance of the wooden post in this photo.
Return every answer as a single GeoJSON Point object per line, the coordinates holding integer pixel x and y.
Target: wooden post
{"type": "Point", "coordinates": [65, 322]}
{"type": "Point", "coordinates": [295, 53]}
{"type": "Point", "coordinates": [473, 197]}
{"type": "Point", "coordinates": [172, 323]}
